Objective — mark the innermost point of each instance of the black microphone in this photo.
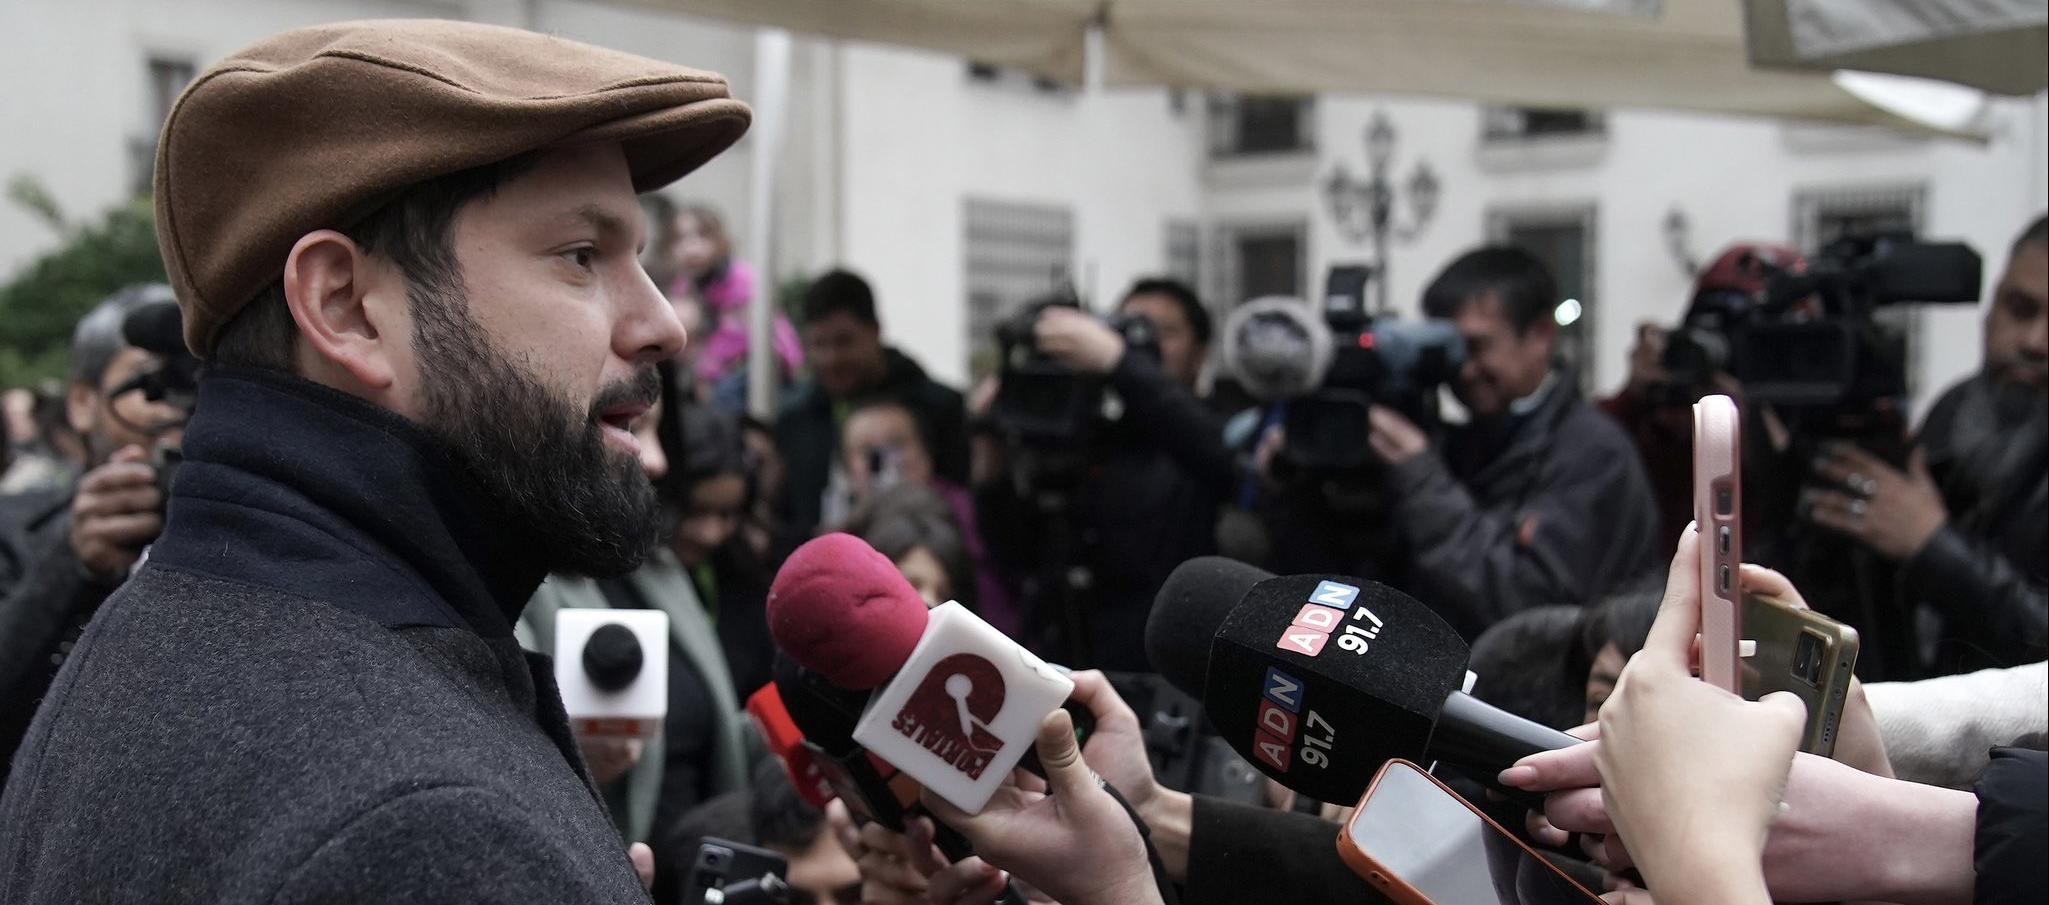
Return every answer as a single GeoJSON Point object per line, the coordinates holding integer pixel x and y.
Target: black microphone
{"type": "Point", "coordinates": [1318, 680]}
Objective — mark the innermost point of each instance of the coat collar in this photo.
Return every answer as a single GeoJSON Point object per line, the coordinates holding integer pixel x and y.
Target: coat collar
{"type": "Point", "coordinates": [294, 486]}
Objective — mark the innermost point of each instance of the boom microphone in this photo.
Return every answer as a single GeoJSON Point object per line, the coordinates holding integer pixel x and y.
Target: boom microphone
{"type": "Point", "coordinates": [1319, 680]}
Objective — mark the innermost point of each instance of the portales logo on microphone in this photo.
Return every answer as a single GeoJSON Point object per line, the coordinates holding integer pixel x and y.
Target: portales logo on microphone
{"type": "Point", "coordinates": [962, 710]}
{"type": "Point", "coordinates": [1324, 615]}
{"type": "Point", "coordinates": [949, 713]}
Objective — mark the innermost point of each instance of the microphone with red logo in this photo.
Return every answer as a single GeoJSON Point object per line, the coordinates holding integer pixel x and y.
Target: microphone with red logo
{"type": "Point", "coordinates": [951, 701]}
{"type": "Point", "coordinates": [945, 714]}
{"type": "Point", "coordinates": [1318, 680]}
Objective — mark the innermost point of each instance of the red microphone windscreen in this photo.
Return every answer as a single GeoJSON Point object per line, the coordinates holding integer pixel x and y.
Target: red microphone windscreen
{"type": "Point", "coordinates": [842, 610]}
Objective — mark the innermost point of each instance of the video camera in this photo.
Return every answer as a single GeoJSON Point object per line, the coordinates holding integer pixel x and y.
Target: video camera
{"type": "Point", "coordinates": [1040, 402]}
{"type": "Point", "coordinates": [1808, 342]}
{"type": "Point", "coordinates": [1330, 371]}
{"type": "Point", "coordinates": [158, 327]}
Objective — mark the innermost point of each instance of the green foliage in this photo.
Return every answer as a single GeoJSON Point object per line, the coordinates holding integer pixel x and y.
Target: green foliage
{"type": "Point", "coordinates": [44, 300]}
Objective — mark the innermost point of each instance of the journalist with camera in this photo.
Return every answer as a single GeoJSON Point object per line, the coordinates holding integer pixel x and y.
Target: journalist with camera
{"type": "Point", "coordinates": [1115, 467]}
{"type": "Point", "coordinates": [1822, 375]}
{"type": "Point", "coordinates": [1965, 519]}
{"type": "Point", "coordinates": [1535, 499]}
{"type": "Point", "coordinates": [65, 549]}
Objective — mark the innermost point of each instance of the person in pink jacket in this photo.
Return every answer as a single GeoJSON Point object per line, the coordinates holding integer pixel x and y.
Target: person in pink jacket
{"type": "Point", "coordinates": [723, 286]}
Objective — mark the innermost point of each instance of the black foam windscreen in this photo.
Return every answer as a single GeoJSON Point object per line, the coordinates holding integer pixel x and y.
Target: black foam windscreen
{"type": "Point", "coordinates": [1187, 612]}
{"type": "Point", "coordinates": [1316, 680]}
{"type": "Point", "coordinates": [612, 657]}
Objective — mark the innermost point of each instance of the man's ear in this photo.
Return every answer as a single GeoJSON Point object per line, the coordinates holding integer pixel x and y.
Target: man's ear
{"type": "Point", "coordinates": [81, 406]}
{"type": "Point", "coordinates": [335, 295]}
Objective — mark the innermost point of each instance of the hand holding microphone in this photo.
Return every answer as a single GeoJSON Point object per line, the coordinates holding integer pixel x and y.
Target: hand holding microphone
{"type": "Point", "coordinates": [1072, 840]}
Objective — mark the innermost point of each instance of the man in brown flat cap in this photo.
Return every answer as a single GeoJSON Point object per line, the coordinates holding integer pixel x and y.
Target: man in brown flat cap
{"type": "Point", "coordinates": [407, 252]}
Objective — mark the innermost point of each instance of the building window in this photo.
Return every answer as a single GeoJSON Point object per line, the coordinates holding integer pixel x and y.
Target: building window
{"type": "Point", "coordinates": [1184, 256]}
{"type": "Point", "coordinates": [166, 78]}
{"type": "Point", "coordinates": [1563, 238]}
{"type": "Point", "coordinates": [1508, 124]}
{"type": "Point", "coordinates": [1247, 125]}
{"type": "Point", "coordinates": [1258, 260]}
{"type": "Point", "coordinates": [1015, 253]}
{"type": "Point", "coordinates": [1821, 216]}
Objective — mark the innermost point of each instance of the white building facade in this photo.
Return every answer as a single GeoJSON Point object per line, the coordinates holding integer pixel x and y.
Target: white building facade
{"type": "Point", "coordinates": [960, 193]}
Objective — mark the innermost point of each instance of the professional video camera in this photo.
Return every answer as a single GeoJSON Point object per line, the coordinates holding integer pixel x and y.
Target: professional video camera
{"type": "Point", "coordinates": [1808, 343]}
{"type": "Point", "coordinates": [157, 327]}
{"type": "Point", "coordinates": [1039, 401]}
{"type": "Point", "coordinates": [1330, 371]}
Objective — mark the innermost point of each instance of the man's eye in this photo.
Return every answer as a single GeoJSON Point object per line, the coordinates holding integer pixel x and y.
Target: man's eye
{"type": "Point", "coordinates": [582, 257]}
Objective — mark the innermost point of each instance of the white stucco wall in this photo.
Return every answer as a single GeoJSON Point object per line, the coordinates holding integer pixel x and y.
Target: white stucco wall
{"type": "Point", "coordinates": [920, 139]}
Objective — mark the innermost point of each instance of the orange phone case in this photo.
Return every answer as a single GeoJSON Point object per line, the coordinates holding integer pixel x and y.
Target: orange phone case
{"type": "Point", "coordinates": [1718, 510]}
{"type": "Point", "coordinates": [1376, 874]}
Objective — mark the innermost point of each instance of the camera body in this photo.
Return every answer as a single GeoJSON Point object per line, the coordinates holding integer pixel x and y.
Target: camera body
{"type": "Point", "coordinates": [1807, 341]}
{"type": "Point", "coordinates": [1040, 402]}
{"type": "Point", "coordinates": [1330, 368]}
{"type": "Point", "coordinates": [158, 327]}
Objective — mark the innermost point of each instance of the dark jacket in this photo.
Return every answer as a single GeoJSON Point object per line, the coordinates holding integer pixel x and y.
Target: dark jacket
{"type": "Point", "coordinates": [1986, 572]}
{"type": "Point", "coordinates": [1150, 486]}
{"type": "Point", "coordinates": [46, 599]}
{"type": "Point", "coordinates": [807, 431]}
{"type": "Point", "coordinates": [1246, 855]}
{"type": "Point", "coordinates": [2013, 829]}
{"type": "Point", "coordinates": [1551, 507]}
{"type": "Point", "coordinates": [310, 692]}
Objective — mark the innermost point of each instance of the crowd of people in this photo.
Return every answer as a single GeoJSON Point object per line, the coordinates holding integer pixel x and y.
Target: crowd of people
{"type": "Point", "coordinates": [282, 634]}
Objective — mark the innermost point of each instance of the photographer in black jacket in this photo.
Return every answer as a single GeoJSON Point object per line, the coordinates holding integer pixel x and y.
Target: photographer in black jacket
{"type": "Point", "coordinates": [1148, 485]}
{"type": "Point", "coordinates": [63, 550]}
{"type": "Point", "coordinates": [1539, 499]}
{"type": "Point", "coordinates": [1966, 520]}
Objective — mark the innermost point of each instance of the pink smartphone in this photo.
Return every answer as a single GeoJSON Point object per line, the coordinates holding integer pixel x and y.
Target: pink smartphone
{"type": "Point", "coordinates": [1718, 510]}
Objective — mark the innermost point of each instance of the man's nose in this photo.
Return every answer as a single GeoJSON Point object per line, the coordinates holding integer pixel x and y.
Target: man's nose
{"type": "Point", "coordinates": [648, 330]}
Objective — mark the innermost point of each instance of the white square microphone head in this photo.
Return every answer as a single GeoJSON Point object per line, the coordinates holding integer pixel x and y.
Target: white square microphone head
{"type": "Point", "coordinates": [964, 709]}
{"type": "Point", "coordinates": [604, 692]}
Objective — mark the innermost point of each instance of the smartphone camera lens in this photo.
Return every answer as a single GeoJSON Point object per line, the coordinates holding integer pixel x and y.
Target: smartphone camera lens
{"type": "Point", "coordinates": [1807, 659]}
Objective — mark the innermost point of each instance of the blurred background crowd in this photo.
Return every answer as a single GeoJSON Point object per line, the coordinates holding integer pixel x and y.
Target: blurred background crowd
{"type": "Point", "coordinates": [1040, 331]}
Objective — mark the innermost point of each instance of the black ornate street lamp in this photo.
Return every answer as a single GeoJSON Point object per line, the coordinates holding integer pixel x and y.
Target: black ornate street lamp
{"type": "Point", "coordinates": [1364, 209]}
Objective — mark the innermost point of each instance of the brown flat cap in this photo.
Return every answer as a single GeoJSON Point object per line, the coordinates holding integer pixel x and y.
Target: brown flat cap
{"type": "Point", "coordinates": [316, 128]}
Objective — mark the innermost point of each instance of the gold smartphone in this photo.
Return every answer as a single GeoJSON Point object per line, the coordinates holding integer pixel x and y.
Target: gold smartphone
{"type": "Point", "coordinates": [1806, 653]}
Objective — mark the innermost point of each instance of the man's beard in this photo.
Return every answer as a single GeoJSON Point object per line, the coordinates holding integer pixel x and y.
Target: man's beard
{"type": "Point", "coordinates": [541, 461]}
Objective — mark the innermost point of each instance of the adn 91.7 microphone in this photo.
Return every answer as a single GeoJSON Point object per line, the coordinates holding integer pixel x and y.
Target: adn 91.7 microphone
{"type": "Point", "coordinates": [1319, 680]}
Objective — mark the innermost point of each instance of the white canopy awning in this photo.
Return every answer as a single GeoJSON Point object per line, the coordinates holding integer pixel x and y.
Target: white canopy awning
{"type": "Point", "coordinates": [2001, 46]}
{"type": "Point", "coordinates": [1658, 54]}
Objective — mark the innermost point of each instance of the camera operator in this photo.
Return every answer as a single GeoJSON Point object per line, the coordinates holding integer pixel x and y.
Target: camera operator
{"type": "Point", "coordinates": [1147, 482]}
{"type": "Point", "coordinates": [1540, 499]}
{"type": "Point", "coordinates": [75, 545]}
{"type": "Point", "coordinates": [1655, 406]}
{"type": "Point", "coordinates": [1966, 519]}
